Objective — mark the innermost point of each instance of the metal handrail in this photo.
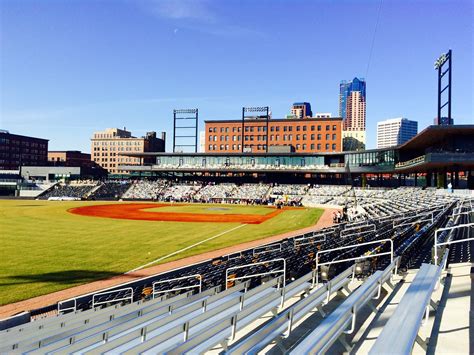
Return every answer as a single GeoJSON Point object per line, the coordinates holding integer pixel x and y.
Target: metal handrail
{"type": "Point", "coordinates": [436, 244]}
{"type": "Point", "coordinates": [227, 279]}
{"type": "Point", "coordinates": [361, 230]}
{"type": "Point", "coordinates": [316, 277]}
{"type": "Point", "coordinates": [195, 276]}
{"type": "Point", "coordinates": [94, 303]}
{"type": "Point", "coordinates": [255, 253]}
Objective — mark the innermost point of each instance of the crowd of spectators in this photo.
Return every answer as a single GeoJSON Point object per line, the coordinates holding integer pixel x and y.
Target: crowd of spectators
{"type": "Point", "coordinates": [145, 190]}
{"type": "Point", "coordinates": [111, 190]}
{"type": "Point", "coordinates": [75, 191]}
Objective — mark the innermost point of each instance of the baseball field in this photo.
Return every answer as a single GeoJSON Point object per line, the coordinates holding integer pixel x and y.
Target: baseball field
{"type": "Point", "coordinates": [47, 246]}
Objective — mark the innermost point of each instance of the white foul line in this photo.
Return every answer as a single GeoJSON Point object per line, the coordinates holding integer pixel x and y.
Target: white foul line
{"type": "Point", "coordinates": [188, 247]}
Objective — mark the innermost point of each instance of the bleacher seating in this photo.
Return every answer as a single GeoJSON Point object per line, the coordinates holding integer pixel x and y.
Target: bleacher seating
{"type": "Point", "coordinates": [178, 312]}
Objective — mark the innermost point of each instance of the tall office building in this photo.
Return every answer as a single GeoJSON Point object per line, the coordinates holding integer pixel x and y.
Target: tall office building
{"type": "Point", "coordinates": [395, 131]}
{"type": "Point", "coordinates": [301, 110]}
{"type": "Point", "coordinates": [352, 109]}
{"type": "Point", "coordinates": [108, 146]}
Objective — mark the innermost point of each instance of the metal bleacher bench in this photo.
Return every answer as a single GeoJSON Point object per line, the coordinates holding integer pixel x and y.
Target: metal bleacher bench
{"type": "Point", "coordinates": [401, 331]}
{"type": "Point", "coordinates": [335, 324]}
{"type": "Point", "coordinates": [276, 327]}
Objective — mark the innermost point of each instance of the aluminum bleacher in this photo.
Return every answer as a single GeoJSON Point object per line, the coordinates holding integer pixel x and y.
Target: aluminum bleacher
{"type": "Point", "coordinates": [217, 303]}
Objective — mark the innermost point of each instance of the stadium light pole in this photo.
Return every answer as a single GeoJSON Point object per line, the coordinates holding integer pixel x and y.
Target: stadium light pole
{"type": "Point", "coordinates": [438, 65]}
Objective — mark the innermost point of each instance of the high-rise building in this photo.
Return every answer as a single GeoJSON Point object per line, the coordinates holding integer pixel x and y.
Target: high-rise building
{"type": "Point", "coordinates": [352, 109]}
{"type": "Point", "coordinates": [107, 148]}
{"type": "Point", "coordinates": [16, 151]}
{"type": "Point", "coordinates": [301, 110]}
{"type": "Point", "coordinates": [395, 131]}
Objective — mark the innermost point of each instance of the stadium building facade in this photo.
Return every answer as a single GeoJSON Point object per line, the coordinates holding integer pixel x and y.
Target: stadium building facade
{"type": "Point", "coordinates": [435, 157]}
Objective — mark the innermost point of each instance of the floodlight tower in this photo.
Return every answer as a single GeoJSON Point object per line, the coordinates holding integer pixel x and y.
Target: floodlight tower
{"type": "Point", "coordinates": [444, 59]}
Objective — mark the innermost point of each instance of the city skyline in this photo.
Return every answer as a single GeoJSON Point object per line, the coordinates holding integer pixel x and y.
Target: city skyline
{"type": "Point", "coordinates": [69, 70]}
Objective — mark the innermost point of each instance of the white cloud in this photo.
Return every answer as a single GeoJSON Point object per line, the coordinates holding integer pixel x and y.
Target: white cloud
{"type": "Point", "coordinates": [182, 9]}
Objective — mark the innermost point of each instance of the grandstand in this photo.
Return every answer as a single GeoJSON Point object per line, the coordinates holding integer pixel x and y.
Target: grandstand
{"type": "Point", "coordinates": [404, 244]}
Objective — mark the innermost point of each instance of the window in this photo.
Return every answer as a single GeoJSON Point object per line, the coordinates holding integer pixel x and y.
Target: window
{"type": "Point", "coordinates": [285, 128]}
{"type": "Point", "coordinates": [312, 128]}
{"type": "Point", "coordinates": [319, 127]}
{"type": "Point", "coordinates": [319, 146]}
{"type": "Point", "coordinates": [290, 137]}
{"type": "Point", "coordinates": [277, 137]}
{"type": "Point", "coordinates": [272, 129]}
{"type": "Point", "coordinates": [210, 129]}
{"type": "Point", "coordinates": [304, 128]}
{"type": "Point", "coordinates": [284, 137]}
{"type": "Point", "coordinates": [222, 138]}
{"type": "Point", "coordinates": [312, 137]}
{"type": "Point", "coordinates": [304, 146]}
{"type": "Point", "coordinates": [334, 137]}
{"type": "Point", "coordinates": [227, 130]}
{"type": "Point", "coordinates": [251, 129]}
{"type": "Point", "coordinates": [247, 129]}
{"type": "Point", "coordinates": [327, 127]}
{"type": "Point", "coordinates": [297, 147]}
{"type": "Point", "coordinates": [327, 146]}
{"type": "Point", "coordinates": [210, 146]}
{"type": "Point", "coordinates": [278, 128]}
{"type": "Point", "coordinates": [298, 128]}
{"type": "Point", "coordinates": [334, 127]}
{"type": "Point", "coordinates": [290, 128]}
{"type": "Point", "coordinates": [222, 129]}
{"type": "Point", "coordinates": [297, 137]}
{"type": "Point", "coordinates": [319, 137]}
{"type": "Point", "coordinates": [333, 146]}
{"type": "Point", "coordinates": [312, 146]}
{"type": "Point", "coordinates": [304, 137]}
{"type": "Point", "coordinates": [328, 136]}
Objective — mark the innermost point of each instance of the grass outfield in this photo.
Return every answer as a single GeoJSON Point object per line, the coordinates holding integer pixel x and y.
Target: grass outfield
{"type": "Point", "coordinates": [46, 249]}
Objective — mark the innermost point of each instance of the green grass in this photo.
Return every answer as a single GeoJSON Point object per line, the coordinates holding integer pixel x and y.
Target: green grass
{"type": "Point", "coordinates": [214, 209]}
{"type": "Point", "coordinates": [45, 249]}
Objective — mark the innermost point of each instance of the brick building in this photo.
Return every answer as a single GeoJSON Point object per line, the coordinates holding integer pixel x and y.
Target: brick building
{"type": "Point", "coordinates": [16, 151]}
{"type": "Point", "coordinates": [108, 146]}
{"type": "Point", "coordinates": [69, 158]}
{"type": "Point", "coordinates": [307, 135]}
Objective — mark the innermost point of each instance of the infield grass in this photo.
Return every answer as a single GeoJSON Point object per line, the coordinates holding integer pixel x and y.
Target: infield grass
{"type": "Point", "coordinates": [45, 249]}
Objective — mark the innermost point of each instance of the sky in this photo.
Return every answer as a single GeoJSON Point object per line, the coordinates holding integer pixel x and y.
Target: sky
{"type": "Point", "coordinates": [69, 68]}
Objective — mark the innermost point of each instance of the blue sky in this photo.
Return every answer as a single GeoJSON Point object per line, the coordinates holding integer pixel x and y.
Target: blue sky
{"type": "Point", "coordinates": [71, 67]}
